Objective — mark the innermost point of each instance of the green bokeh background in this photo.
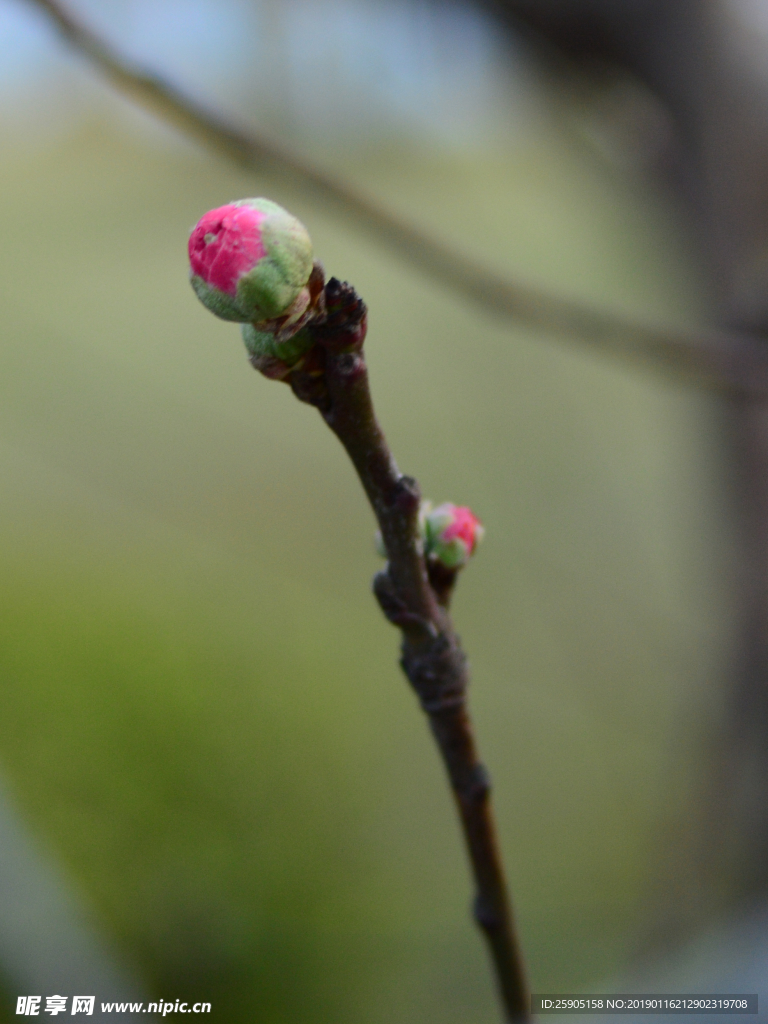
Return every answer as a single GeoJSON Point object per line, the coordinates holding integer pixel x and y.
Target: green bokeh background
{"type": "Point", "coordinates": [201, 714]}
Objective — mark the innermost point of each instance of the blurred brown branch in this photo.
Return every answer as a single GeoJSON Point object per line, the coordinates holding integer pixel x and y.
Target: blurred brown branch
{"type": "Point", "coordinates": [733, 363]}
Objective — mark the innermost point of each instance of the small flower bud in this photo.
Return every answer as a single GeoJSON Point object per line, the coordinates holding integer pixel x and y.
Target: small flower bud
{"type": "Point", "coordinates": [451, 533]}
{"type": "Point", "coordinates": [251, 261]}
{"type": "Point", "coordinates": [448, 534]}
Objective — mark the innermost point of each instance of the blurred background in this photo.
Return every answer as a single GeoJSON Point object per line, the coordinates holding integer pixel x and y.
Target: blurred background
{"type": "Point", "coordinates": [216, 784]}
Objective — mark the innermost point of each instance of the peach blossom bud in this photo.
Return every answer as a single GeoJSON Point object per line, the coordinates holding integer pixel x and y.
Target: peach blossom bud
{"type": "Point", "coordinates": [250, 262]}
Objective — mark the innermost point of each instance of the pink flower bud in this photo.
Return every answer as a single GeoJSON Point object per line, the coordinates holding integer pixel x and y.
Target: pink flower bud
{"type": "Point", "coordinates": [451, 533]}
{"type": "Point", "coordinates": [250, 262]}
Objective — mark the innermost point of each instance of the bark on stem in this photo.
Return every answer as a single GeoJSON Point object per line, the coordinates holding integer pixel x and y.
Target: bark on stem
{"type": "Point", "coordinates": [432, 657]}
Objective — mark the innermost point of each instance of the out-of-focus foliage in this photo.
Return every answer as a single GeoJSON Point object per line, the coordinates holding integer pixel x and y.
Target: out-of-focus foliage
{"type": "Point", "coordinates": [200, 706]}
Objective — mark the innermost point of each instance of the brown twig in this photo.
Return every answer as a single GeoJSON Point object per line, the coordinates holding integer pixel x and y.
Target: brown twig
{"type": "Point", "coordinates": [734, 363]}
{"type": "Point", "coordinates": [417, 602]}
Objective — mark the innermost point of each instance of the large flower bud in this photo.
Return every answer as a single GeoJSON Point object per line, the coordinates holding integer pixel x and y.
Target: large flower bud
{"type": "Point", "coordinates": [250, 262]}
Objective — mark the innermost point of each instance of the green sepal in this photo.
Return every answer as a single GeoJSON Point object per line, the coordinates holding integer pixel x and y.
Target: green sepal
{"type": "Point", "coordinates": [264, 292]}
{"type": "Point", "coordinates": [289, 247]}
{"type": "Point", "coordinates": [275, 282]}
{"type": "Point", "coordinates": [263, 343]}
{"type": "Point", "coordinates": [453, 554]}
{"type": "Point", "coordinates": [218, 302]}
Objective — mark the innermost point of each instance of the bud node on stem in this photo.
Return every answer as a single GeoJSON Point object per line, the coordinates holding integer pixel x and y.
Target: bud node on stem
{"type": "Point", "coordinates": [407, 496]}
{"type": "Point", "coordinates": [436, 674]}
{"type": "Point", "coordinates": [486, 915]}
{"type": "Point", "coordinates": [477, 786]}
{"type": "Point", "coordinates": [395, 609]}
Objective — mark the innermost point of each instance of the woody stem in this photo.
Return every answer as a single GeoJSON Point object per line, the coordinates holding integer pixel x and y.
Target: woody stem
{"type": "Point", "coordinates": [432, 658]}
